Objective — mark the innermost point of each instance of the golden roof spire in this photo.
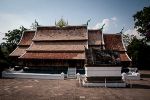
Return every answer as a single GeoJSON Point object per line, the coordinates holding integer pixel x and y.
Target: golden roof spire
{"type": "Point", "coordinates": [61, 23]}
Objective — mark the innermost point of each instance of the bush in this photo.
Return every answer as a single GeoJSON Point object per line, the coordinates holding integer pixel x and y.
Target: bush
{"type": "Point", "coordinates": [3, 65]}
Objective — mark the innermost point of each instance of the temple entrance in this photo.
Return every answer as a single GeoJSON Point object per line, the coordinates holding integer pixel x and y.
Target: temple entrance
{"type": "Point", "coordinates": [72, 63]}
{"type": "Point", "coordinates": [72, 69]}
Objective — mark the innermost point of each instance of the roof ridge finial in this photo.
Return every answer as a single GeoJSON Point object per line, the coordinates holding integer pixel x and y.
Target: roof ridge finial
{"type": "Point", "coordinates": [102, 27]}
{"type": "Point", "coordinates": [61, 23]}
{"type": "Point", "coordinates": [88, 21]}
{"type": "Point", "coordinates": [122, 30]}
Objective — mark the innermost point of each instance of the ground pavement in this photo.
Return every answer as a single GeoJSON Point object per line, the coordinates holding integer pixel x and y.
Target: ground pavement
{"type": "Point", "coordinates": [69, 89]}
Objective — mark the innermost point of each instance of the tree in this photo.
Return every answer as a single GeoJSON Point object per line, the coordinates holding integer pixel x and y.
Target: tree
{"type": "Point", "coordinates": [127, 39]}
{"type": "Point", "coordinates": [12, 38]}
{"type": "Point", "coordinates": [3, 63]}
{"type": "Point", "coordinates": [139, 52]}
{"type": "Point", "coordinates": [142, 22]}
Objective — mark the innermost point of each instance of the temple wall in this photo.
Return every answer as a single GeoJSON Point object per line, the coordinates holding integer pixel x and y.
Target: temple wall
{"type": "Point", "coordinates": [32, 75]}
{"type": "Point", "coordinates": [55, 63]}
{"type": "Point", "coordinates": [20, 62]}
{"type": "Point", "coordinates": [102, 71]}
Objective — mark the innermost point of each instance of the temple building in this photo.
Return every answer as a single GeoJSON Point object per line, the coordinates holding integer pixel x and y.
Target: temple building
{"type": "Point", "coordinates": [66, 46]}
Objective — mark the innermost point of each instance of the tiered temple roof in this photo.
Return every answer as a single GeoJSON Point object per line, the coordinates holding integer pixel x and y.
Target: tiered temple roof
{"type": "Point", "coordinates": [53, 46]}
{"type": "Point", "coordinates": [54, 33]}
{"type": "Point", "coordinates": [66, 42]}
{"type": "Point", "coordinates": [114, 42]}
{"type": "Point", "coordinates": [58, 43]}
{"type": "Point", "coordinates": [24, 43]}
{"type": "Point", "coordinates": [58, 55]}
{"type": "Point", "coordinates": [26, 38]}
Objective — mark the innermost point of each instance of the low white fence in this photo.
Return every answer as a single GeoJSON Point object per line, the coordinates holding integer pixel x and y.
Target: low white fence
{"type": "Point", "coordinates": [7, 74]}
{"type": "Point", "coordinates": [105, 84]}
{"type": "Point", "coordinates": [132, 76]}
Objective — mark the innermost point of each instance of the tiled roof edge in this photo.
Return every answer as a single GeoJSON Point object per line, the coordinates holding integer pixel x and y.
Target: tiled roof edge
{"type": "Point", "coordinates": [110, 34]}
{"type": "Point", "coordinates": [26, 50]}
{"type": "Point", "coordinates": [59, 40]}
{"type": "Point", "coordinates": [94, 30]}
{"type": "Point", "coordinates": [62, 51]}
{"type": "Point", "coordinates": [34, 36]}
{"type": "Point", "coordinates": [23, 35]}
{"type": "Point", "coordinates": [128, 56]}
{"type": "Point", "coordinates": [123, 42]}
{"type": "Point", "coordinates": [14, 51]}
{"type": "Point", "coordinates": [21, 38]}
{"type": "Point", "coordinates": [65, 26]}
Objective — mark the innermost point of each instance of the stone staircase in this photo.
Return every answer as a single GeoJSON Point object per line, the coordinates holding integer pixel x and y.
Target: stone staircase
{"type": "Point", "coordinates": [71, 72]}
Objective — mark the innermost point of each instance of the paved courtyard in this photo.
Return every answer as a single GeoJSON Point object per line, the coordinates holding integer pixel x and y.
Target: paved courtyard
{"type": "Point", "coordinates": [69, 89]}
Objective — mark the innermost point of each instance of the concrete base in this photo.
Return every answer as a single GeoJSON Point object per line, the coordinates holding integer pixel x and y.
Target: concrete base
{"type": "Point", "coordinates": [105, 84]}
{"type": "Point", "coordinates": [6, 74]}
{"type": "Point", "coordinates": [103, 71]}
{"type": "Point", "coordinates": [132, 76]}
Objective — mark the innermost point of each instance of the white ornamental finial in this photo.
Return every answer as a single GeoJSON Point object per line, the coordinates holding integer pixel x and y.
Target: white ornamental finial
{"type": "Point", "coordinates": [34, 25]}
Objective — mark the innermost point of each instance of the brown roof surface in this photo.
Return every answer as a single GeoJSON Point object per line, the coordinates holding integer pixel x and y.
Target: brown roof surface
{"type": "Point", "coordinates": [19, 51]}
{"type": "Point", "coordinates": [27, 38]}
{"type": "Point", "coordinates": [94, 37]}
{"type": "Point", "coordinates": [58, 46]}
{"type": "Point", "coordinates": [113, 41]}
{"type": "Point", "coordinates": [124, 57]}
{"type": "Point", "coordinates": [66, 33]}
{"type": "Point", "coordinates": [31, 55]}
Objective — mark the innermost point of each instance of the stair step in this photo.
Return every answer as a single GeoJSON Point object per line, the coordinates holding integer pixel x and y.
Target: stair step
{"type": "Point", "coordinates": [71, 76]}
{"type": "Point", "coordinates": [71, 72]}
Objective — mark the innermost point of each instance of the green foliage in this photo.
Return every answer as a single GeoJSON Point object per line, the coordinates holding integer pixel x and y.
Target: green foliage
{"type": "Point", "coordinates": [12, 38]}
{"type": "Point", "coordinates": [142, 22]}
{"type": "Point", "coordinates": [3, 62]}
{"type": "Point", "coordinates": [127, 39]}
{"type": "Point", "coordinates": [139, 51]}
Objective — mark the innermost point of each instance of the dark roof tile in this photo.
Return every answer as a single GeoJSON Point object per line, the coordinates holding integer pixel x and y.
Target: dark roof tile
{"type": "Point", "coordinates": [65, 33]}
{"type": "Point", "coordinates": [31, 55]}
{"type": "Point", "coordinates": [124, 56]}
{"type": "Point", "coordinates": [19, 51]}
{"type": "Point", "coordinates": [27, 38]}
{"type": "Point", "coordinates": [94, 37]}
{"type": "Point", "coordinates": [113, 42]}
{"type": "Point", "coordinates": [58, 46]}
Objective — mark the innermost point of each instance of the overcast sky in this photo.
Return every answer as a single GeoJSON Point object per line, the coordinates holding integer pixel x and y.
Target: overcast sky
{"type": "Point", "coordinates": [116, 14]}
